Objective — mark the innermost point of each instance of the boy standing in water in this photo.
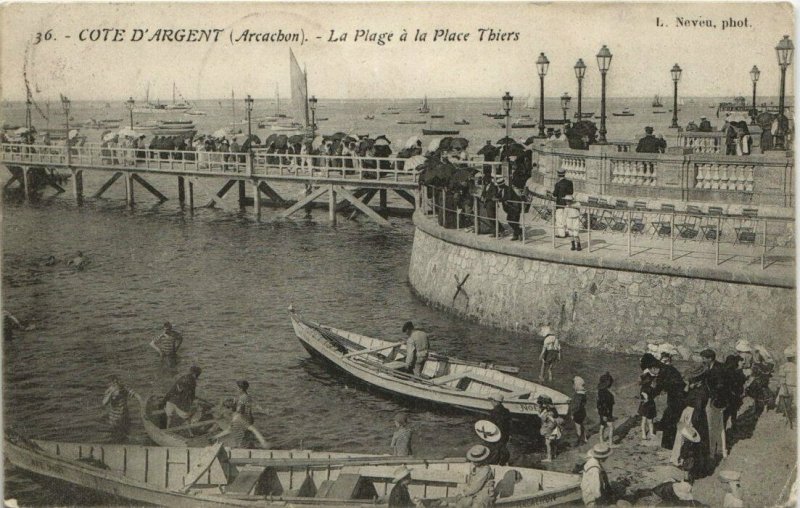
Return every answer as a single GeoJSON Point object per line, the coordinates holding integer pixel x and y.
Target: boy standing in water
{"type": "Point", "coordinates": [605, 407]}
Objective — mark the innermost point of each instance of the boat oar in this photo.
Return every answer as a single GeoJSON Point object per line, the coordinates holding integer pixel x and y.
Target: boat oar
{"type": "Point", "coordinates": [508, 369]}
{"type": "Point", "coordinates": [329, 461]}
{"type": "Point", "coordinates": [371, 350]}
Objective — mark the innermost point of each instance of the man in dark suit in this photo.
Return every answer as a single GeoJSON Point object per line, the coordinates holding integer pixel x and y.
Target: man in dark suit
{"type": "Point", "coordinates": [650, 143]}
{"type": "Point", "coordinates": [562, 189]}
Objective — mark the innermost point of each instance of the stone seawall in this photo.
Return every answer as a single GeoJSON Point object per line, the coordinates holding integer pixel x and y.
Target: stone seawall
{"type": "Point", "coordinates": [594, 306]}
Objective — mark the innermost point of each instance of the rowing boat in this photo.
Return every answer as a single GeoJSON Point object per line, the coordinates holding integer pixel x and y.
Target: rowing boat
{"type": "Point", "coordinates": [218, 476]}
{"type": "Point", "coordinates": [444, 380]}
{"type": "Point", "coordinates": [190, 434]}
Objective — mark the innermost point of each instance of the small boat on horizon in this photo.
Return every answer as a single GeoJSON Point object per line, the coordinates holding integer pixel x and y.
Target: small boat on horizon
{"type": "Point", "coordinates": [424, 107]}
{"type": "Point", "coordinates": [411, 122]}
{"type": "Point", "coordinates": [657, 102]}
{"type": "Point", "coordinates": [584, 114]}
{"type": "Point", "coordinates": [624, 112]}
{"type": "Point", "coordinates": [369, 117]}
{"type": "Point", "coordinates": [437, 116]}
{"type": "Point", "coordinates": [463, 121]}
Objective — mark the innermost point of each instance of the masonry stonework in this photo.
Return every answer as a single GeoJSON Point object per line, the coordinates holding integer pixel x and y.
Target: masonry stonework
{"type": "Point", "coordinates": [595, 307]}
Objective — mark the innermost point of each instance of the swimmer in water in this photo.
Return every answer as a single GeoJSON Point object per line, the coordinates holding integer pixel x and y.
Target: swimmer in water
{"type": "Point", "coordinates": [79, 262]}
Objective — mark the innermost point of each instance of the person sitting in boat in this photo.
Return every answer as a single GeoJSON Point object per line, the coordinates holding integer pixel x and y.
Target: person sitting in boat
{"type": "Point", "coordinates": [235, 435]}
{"type": "Point", "coordinates": [399, 497]}
{"type": "Point", "coordinates": [595, 488]}
{"type": "Point", "coordinates": [181, 396]}
{"type": "Point", "coordinates": [116, 399]}
{"type": "Point", "coordinates": [416, 348]}
{"type": "Point", "coordinates": [478, 491]}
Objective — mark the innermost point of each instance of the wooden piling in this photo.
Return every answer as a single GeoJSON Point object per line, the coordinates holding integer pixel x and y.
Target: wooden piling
{"type": "Point", "coordinates": [26, 184]}
{"type": "Point", "coordinates": [256, 201]}
{"type": "Point", "coordinates": [383, 194]}
{"type": "Point", "coordinates": [181, 191]}
{"type": "Point", "coordinates": [242, 194]}
{"type": "Point", "coordinates": [77, 186]}
{"type": "Point", "coordinates": [129, 199]}
{"type": "Point", "coordinates": [332, 204]}
{"type": "Point", "coordinates": [191, 197]}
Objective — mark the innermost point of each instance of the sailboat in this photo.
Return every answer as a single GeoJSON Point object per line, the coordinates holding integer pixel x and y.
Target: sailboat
{"type": "Point", "coordinates": [149, 107]}
{"type": "Point", "coordinates": [657, 102]}
{"type": "Point", "coordinates": [299, 101]}
{"type": "Point", "coordinates": [530, 102]}
{"type": "Point", "coordinates": [183, 105]}
{"type": "Point", "coordinates": [424, 108]}
{"type": "Point", "coordinates": [278, 116]}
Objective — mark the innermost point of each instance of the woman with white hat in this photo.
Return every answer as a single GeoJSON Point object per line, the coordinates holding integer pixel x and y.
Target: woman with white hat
{"type": "Point", "coordinates": [399, 497]}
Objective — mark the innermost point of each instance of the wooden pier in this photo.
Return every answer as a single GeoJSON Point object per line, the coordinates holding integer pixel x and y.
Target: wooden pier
{"type": "Point", "coordinates": [345, 179]}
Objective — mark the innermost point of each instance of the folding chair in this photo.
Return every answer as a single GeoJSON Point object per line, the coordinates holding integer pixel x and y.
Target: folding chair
{"type": "Point", "coordinates": [638, 224]}
{"type": "Point", "coordinates": [688, 227]}
{"type": "Point", "coordinates": [617, 219]}
{"type": "Point", "coordinates": [591, 218]}
{"type": "Point", "coordinates": [662, 225]}
{"type": "Point", "coordinates": [710, 226]}
{"type": "Point", "coordinates": [746, 231]}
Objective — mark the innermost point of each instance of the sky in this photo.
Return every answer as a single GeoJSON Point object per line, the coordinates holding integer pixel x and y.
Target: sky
{"type": "Point", "coordinates": [715, 62]}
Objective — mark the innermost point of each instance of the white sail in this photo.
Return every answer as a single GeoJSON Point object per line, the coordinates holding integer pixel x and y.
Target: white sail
{"type": "Point", "coordinates": [299, 90]}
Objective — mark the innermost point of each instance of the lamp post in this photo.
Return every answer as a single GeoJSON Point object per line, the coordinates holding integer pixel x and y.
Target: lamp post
{"type": "Point", "coordinates": [65, 104]}
{"type": "Point", "coordinates": [580, 72]}
{"type": "Point", "coordinates": [542, 63]}
{"type": "Point", "coordinates": [676, 76]}
{"type": "Point", "coordinates": [565, 104]}
{"type": "Point", "coordinates": [312, 103]}
{"type": "Point", "coordinates": [508, 101]}
{"type": "Point", "coordinates": [604, 63]}
{"type": "Point", "coordinates": [784, 50]}
{"type": "Point", "coordinates": [248, 106]}
{"type": "Point", "coordinates": [754, 75]}
{"type": "Point", "coordinates": [129, 103]}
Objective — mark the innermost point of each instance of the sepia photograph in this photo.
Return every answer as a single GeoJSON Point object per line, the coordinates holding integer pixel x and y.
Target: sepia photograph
{"type": "Point", "coordinates": [399, 254]}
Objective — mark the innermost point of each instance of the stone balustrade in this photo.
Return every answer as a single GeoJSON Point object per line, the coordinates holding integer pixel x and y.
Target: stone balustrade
{"type": "Point", "coordinates": [679, 175]}
{"type": "Point", "coordinates": [702, 142]}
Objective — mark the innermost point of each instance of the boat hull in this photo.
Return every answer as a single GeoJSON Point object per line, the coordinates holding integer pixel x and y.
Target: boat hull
{"type": "Point", "coordinates": [410, 387]}
{"type": "Point", "coordinates": [439, 132]}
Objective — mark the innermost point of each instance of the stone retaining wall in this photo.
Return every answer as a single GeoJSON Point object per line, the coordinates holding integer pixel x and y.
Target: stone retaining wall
{"type": "Point", "coordinates": [595, 307]}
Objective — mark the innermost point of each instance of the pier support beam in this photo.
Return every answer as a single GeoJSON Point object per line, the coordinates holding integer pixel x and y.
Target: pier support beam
{"type": "Point", "coordinates": [243, 194]}
{"type": "Point", "coordinates": [332, 204]}
{"type": "Point", "coordinates": [271, 193]}
{"type": "Point", "coordinates": [221, 194]}
{"type": "Point", "coordinates": [384, 192]}
{"type": "Point", "coordinates": [26, 184]}
{"type": "Point", "coordinates": [77, 186]}
{"type": "Point", "coordinates": [129, 199]}
{"type": "Point", "coordinates": [191, 197]}
{"type": "Point", "coordinates": [407, 196]}
{"type": "Point", "coordinates": [181, 192]}
{"type": "Point", "coordinates": [305, 201]}
{"type": "Point", "coordinates": [152, 190]}
{"type": "Point", "coordinates": [256, 200]}
{"type": "Point", "coordinates": [108, 184]}
{"type": "Point", "coordinates": [363, 207]}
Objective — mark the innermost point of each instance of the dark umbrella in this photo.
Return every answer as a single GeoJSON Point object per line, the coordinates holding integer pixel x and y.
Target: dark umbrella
{"type": "Point", "coordinates": [459, 144]}
{"type": "Point", "coordinates": [270, 139]}
{"type": "Point", "coordinates": [338, 135]}
{"type": "Point", "coordinates": [486, 148]}
{"type": "Point", "coordinates": [515, 150]}
{"type": "Point", "coordinates": [382, 140]}
{"type": "Point", "coordinates": [446, 143]}
{"type": "Point", "coordinates": [280, 141]}
{"type": "Point", "coordinates": [530, 140]}
{"type": "Point", "coordinates": [295, 139]}
{"type": "Point", "coordinates": [506, 141]}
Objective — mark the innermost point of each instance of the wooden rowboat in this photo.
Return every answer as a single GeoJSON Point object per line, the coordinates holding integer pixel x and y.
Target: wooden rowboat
{"type": "Point", "coordinates": [218, 476]}
{"type": "Point", "coordinates": [447, 381]}
{"type": "Point", "coordinates": [190, 434]}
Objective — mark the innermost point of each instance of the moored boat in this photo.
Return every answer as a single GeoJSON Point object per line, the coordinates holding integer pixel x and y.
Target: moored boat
{"type": "Point", "coordinates": [463, 121]}
{"type": "Point", "coordinates": [444, 380]}
{"type": "Point", "coordinates": [439, 132]}
{"type": "Point", "coordinates": [624, 112]}
{"type": "Point", "coordinates": [218, 476]}
{"type": "Point", "coordinates": [154, 422]}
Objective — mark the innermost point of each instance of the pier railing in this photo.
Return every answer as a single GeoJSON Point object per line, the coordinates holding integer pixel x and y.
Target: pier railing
{"type": "Point", "coordinates": [680, 175]}
{"type": "Point", "coordinates": [694, 236]}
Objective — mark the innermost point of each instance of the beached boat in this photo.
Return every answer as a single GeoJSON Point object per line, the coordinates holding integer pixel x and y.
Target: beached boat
{"type": "Point", "coordinates": [154, 421]}
{"type": "Point", "coordinates": [446, 381]}
{"type": "Point", "coordinates": [217, 476]}
{"type": "Point", "coordinates": [624, 112]}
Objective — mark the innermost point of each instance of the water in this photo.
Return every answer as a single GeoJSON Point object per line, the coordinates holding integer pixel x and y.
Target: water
{"type": "Point", "coordinates": [225, 282]}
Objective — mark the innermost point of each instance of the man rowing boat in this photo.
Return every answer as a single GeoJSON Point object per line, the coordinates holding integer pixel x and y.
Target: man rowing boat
{"type": "Point", "coordinates": [416, 348]}
{"type": "Point", "coordinates": [180, 397]}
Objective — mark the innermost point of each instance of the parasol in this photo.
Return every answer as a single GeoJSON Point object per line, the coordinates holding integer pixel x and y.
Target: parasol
{"type": "Point", "coordinates": [414, 162]}
{"type": "Point", "coordinates": [506, 141]}
{"type": "Point", "coordinates": [434, 144]}
{"type": "Point", "coordinates": [412, 142]}
{"type": "Point", "coordinates": [220, 133]}
{"type": "Point", "coordinates": [459, 144]}
{"type": "Point", "coordinates": [72, 134]}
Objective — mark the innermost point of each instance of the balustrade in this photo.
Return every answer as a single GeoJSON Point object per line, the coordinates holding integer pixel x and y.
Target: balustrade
{"type": "Point", "coordinates": [726, 177]}
{"type": "Point", "coordinates": [574, 166]}
{"type": "Point", "coordinates": [634, 172]}
{"type": "Point", "coordinates": [702, 142]}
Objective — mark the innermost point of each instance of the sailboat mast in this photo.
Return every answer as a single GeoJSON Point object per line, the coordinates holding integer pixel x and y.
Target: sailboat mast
{"type": "Point", "coordinates": [277, 101]}
{"type": "Point", "coordinates": [173, 92]}
{"type": "Point", "coordinates": [305, 76]}
{"type": "Point", "coordinates": [233, 111]}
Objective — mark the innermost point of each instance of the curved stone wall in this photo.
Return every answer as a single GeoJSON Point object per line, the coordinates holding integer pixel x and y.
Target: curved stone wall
{"type": "Point", "coordinates": [598, 307]}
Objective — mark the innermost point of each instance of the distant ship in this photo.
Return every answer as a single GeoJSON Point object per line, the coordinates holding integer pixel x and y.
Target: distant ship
{"type": "Point", "coordinates": [584, 114]}
{"type": "Point", "coordinates": [424, 108]}
{"type": "Point", "coordinates": [463, 121]}
{"type": "Point", "coordinates": [183, 105]}
{"type": "Point", "coordinates": [657, 102]}
{"type": "Point", "coordinates": [624, 112]}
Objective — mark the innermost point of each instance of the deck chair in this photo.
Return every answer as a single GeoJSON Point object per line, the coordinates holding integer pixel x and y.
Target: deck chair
{"type": "Point", "coordinates": [593, 218]}
{"type": "Point", "coordinates": [746, 229]}
{"type": "Point", "coordinates": [662, 225]}
{"type": "Point", "coordinates": [618, 219]}
{"type": "Point", "coordinates": [711, 230]}
{"type": "Point", "coordinates": [688, 226]}
{"type": "Point", "coordinates": [638, 224]}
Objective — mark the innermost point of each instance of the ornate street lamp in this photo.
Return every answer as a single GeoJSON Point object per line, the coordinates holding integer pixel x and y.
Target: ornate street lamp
{"type": "Point", "coordinates": [565, 104]}
{"type": "Point", "coordinates": [248, 106]}
{"type": "Point", "coordinates": [542, 63]}
{"type": "Point", "coordinates": [312, 103]}
{"type": "Point", "coordinates": [754, 75]}
{"type": "Point", "coordinates": [604, 63]}
{"type": "Point", "coordinates": [129, 104]}
{"type": "Point", "coordinates": [676, 76]}
{"type": "Point", "coordinates": [65, 104]}
{"type": "Point", "coordinates": [784, 50]}
{"type": "Point", "coordinates": [508, 101]}
{"type": "Point", "coordinates": [580, 72]}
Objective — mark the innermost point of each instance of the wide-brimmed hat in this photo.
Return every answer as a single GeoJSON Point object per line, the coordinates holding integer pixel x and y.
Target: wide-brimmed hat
{"type": "Point", "coordinates": [569, 197]}
{"type": "Point", "coordinates": [599, 451]}
{"type": "Point", "coordinates": [561, 172]}
{"type": "Point", "coordinates": [690, 433]}
{"type": "Point", "coordinates": [683, 490]}
{"type": "Point", "coordinates": [743, 347]}
{"type": "Point", "coordinates": [667, 349]}
{"type": "Point", "coordinates": [400, 473]}
{"type": "Point", "coordinates": [477, 453]}
{"type": "Point", "coordinates": [729, 476]}
{"type": "Point", "coordinates": [694, 372]}
{"type": "Point", "coordinates": [487, 431]}
{"type": "Point", "coordinates": [497, 397]}
{"type": "Point", "coordinates": [500, 180]}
